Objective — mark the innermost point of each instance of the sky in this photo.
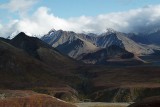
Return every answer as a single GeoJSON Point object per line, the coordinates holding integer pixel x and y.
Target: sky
{"type": "Point", "coordinates": [37, 17]}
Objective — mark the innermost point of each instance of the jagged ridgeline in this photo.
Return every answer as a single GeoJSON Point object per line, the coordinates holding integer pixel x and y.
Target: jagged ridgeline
{"type": "Point", "coordinates": [108, 48]}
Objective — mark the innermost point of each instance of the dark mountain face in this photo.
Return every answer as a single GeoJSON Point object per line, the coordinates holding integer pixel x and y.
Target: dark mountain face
{"type": "Point", "coordinates": [140, 38]}
{"type": "Point", "coordinates": [5, 40]}
{"type": "Point", "coordinates": [103, 55]}
{"type": "Point", "coordinates": [32, 59]}
{"type": "Point", "coordinates": [151, 38]}
{"type": "Point", "coordinates": [18, 69]}
{"type": "Point", "coordinates": [67, 47]}
{"type": "Point", "coordinates": [41, 50]}
{"type": "Point", "coordinates": [28, 44]}
{"type": "Point", "coordinates": [154, 38]}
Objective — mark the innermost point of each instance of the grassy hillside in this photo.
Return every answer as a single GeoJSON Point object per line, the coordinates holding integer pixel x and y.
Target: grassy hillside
{"type": "Point", "coordinates": [29, 99]}
{"type": "Point", "coordinates": [120, 84]}
{"type": "Point", "coordinates": [21, 71]}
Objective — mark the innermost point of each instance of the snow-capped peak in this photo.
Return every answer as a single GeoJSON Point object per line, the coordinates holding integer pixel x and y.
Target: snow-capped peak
{"type": "Point", "coordinates": [51, 31]}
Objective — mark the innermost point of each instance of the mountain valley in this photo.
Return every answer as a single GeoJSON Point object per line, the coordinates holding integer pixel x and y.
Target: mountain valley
{"type": "Point", "coordinates": [77, 67]}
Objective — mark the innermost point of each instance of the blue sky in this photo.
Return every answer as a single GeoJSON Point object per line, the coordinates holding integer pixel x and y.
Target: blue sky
{"type": "Point", "coordinates": [78, 15]}
{"type": "Point", "coordinates": [72, 8]}
{"type": "Point", "coordinates": [75, 8]}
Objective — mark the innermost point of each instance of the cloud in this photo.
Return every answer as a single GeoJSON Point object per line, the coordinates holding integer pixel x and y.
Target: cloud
{"type": "Point", "coordinates": [18, 5]}
{"type": "Point", "coordinates": [42, 20]}
{"type": "Point", "coordinates": [139, 20]}
{"type": "Point", "coordinates": [8, 29]}
{"type": "Point", "coordinates": [0, 26]}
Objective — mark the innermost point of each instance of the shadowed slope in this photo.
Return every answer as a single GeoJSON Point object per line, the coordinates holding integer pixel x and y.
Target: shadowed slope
{"type": "Point", "coordinates": [41, 50]}
{"type": "Point", "coordinates": [21, 71]}
{"type": "Point", "coordinates": [18, 69]}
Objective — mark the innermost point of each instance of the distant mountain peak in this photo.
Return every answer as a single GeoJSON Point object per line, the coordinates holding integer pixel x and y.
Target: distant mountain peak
{"type": "Point", "coordinates": [110, 30]}
{"type": "Point", "coordinates": [21, 35]}
{"type": "Point", "coordinates": [51, 31]}
{"type": "Point", "coordinates": [15, 33]}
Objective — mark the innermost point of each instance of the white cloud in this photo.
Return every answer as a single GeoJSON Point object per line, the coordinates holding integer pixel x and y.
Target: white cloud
{"type": "Point", "coordinates": [18, 5]}
{"type": "Point", "coordinates": [0, 26]}
{"type": "Point", "coordinates": [135, 20]}
{"type": "Point", "coordinates": [42, 20]}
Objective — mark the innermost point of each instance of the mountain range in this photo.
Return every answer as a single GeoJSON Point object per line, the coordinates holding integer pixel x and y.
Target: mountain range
{"type": "Point", "coordinates": [111, 46]}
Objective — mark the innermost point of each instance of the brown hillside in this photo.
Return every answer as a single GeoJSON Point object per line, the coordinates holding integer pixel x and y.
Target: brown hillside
{"type": "Point", "coordinates": [30, 99]}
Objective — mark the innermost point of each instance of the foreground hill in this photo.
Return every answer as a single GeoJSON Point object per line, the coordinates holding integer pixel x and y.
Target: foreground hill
{"type": "Point", "coordinates": [20, 70]}
{"type": "Point", "coordinates": [16, 98]}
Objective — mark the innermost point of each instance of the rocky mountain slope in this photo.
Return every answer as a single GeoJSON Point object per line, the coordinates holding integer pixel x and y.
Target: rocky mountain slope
{"type": "Point", "coordinates": [84, 46]}
{"type": "Point", "coordinates": [69, 43]}
{"type": "Point", "coordinates": [106, 55]}
{"type": "Point", "coordinates": [119, 39]}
